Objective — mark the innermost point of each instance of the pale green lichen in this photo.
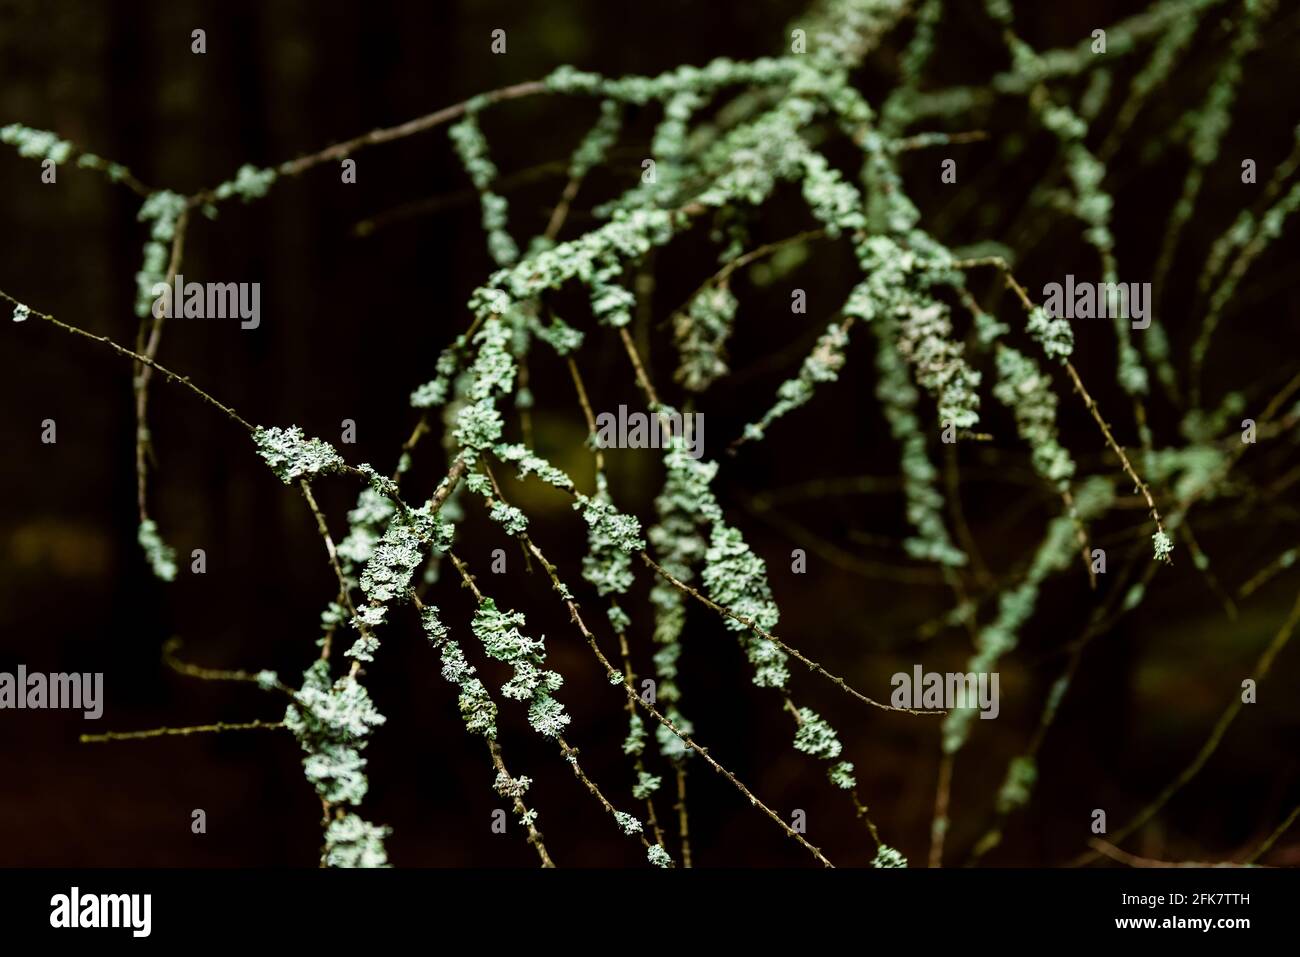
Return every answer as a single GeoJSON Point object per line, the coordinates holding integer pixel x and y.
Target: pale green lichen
{"type": "Point", "coordinates": [594, 258]}
{"type": "Point", "coordinates": [612, 538]}
{"type": "Point", "coordinates": [1052, 333]}
{"type": "Point", "coordinates": [471, 147]}
{"type": "Point", "coordinates": [477, 709]}
{"type": "Point", "coordinates": [591, 152]}
{"type": "Point", "coordinates": [366, 525]}
{"type": "Point", "coordinates": [547, 716]}
{"type": "Point", "coordinates": [646, 785]}
{"type": "Point", "coordinates": [816, 737]}
{"type": "Point", "coordinates": [160, 555]}
{"type": "Point", "coordinates": [390, 566]}
{"type": "Point", "coordinates": [1028, 392]}
{"type": "Point", "coordinates": [529, 463]}
{"type": "Point", "coordinates": [292, 456]}
{"type": "Point", "coordinates": [823, 364]}
{"type": "Point", "coordinates": [36, 144]}
{"type": "Point", "coordinates": [629, 824]}
{"type": "Point", "coordinates": [436, 391]}
{"type": "Point", "coordinates": [249, 183]}
{"type": "Point", "coordinates": [478, 426]}
{"type": "Point", "coordinates": [163, 210]}
{"type": "Point", "coordinates": [510, 518]}
{"type": "Point", "coordinates": [1164, 546]}
{"type": "Point", "coordinates": [924, 503]}
{"type": "Point", "coordinates": [888, 857]}
{"type": "Point", "coordinates": [501, 638]}
{"type": "Point", "coordinates": [507, 786]}
{"type": "Point", "coordinates": [736, 578]}
{"type": "Point", "coordinates": [634, 743]}
{"type": "Point", "coordinates": [684, 500]}
{"type": "Point", "coordinates": [925, 342]}
{"type": "Point", "coordinates": [657, 856]}
{"type": "Point", "coordinates": [607, 527]}
{"type": "Point", "coordinates": [1022, 775]}
{"type": "Point", "coordinates": [558, 334]}
{"type": "Point", "coordinates": [618, 618]}
{"type": "Point", "coordinates": [841, 775]}
{"type": "Point", "coordinates": [353, 842]}
{"type": "Point", "coordinates": [331, 721]}
{"type": "Point", "coordinates": [1017, 603]}
{"type": "Point", "coordinates": [701, 333]}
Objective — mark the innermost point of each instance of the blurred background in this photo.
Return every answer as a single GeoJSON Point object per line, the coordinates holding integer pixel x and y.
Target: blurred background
{"type": "Point", "coordinates": [363, 284]}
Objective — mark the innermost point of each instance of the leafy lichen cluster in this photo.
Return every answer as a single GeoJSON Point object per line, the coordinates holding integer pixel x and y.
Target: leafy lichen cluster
{"type": "Point", "coordinates": [332, 720]}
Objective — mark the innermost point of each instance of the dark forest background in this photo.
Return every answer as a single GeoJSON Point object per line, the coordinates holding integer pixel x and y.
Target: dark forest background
{"type": "Point", "coordinates": [353, 318]}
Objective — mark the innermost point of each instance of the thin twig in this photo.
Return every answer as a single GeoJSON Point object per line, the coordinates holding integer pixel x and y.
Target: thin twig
{"type": "Point", "coordinates": [1272, 838]}
{"type": "Point", "coordinates": [939, 823]}
{"type": "Point", "coordinates": [144, 372]}
{"type": "Point", "coordinates": [587, 413]}
{"type": "Point", "coordinates": [129, 354]}
{"type": "Point", "coordinates": [195, 729]}
{"type": "Point", "coordinates": [1132, 860]}
{"type": "Point", "coordinates": [534, 835]}
{"type": "Point", "coordinates": [215, 674]}
{"type": "Point", "coordinates": [340, 151]}
{"type": "Point", "coordinates": [345, 587]}
{"type": "Point", "coordinates": [683, 822]}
